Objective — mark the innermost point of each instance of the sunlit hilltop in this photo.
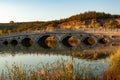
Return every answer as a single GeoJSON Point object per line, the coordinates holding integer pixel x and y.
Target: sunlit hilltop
{"type": "Point", "coordinates": [89, 19]}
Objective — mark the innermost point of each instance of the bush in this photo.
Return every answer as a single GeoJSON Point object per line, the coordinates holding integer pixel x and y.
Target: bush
{"type": "Point", "coordinates": [113, 72]}
{"type": "Point", "coordinates": [115, 62]}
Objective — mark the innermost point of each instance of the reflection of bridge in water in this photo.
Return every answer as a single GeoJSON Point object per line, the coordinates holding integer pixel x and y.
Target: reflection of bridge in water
{"type": "Point", "coordinates": [62, 39]}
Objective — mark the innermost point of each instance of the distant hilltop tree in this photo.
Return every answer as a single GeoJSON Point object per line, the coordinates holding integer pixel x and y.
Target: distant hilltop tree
{"type": "Point", "coordinates": [11, 22]}
{"type": "Point", "coordinates": [92, 15]}
{"type": "Point", "coordinates": [90, 19]}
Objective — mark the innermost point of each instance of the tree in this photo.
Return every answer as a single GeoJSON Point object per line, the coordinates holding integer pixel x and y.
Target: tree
{"type": "Point", "coordinates": [11, 22]}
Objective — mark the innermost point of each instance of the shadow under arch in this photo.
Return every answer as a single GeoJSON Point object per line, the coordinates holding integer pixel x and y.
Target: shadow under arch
{"type": "Point", "coordinates": [90, 40]}
{"type": "Point", "coordinates": [14, 42]}
{"type": "Point", "coordinates": [47, 41]}
{"type": "Point", "coordinates": [104, 40]}
{"type": "Point", "coordinates": [70, 41]}
{"type": "Point", "coordinates": [27, 42]}
{"type": "Point", "coordinates": [5, 42]}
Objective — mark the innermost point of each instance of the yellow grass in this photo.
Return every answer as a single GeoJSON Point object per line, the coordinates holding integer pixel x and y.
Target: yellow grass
{"type": "Point", "coordinates": [62, 70]}
{"type": "Point", "coordinates": [113, 71]}
{"type": "Point", "coordinates": [59, 70]}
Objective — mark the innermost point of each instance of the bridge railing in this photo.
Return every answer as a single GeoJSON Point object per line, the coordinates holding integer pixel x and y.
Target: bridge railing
{"type": "Point", "coordinates": [102, 30]}
{"type": "Point", "coordinates": [86, 30]}
{"type": "Point", "coordinates": [99, 29]}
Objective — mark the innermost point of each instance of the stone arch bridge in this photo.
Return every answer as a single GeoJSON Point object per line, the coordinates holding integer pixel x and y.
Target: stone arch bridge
{"type": "Point", "coordinates": [58, 39]}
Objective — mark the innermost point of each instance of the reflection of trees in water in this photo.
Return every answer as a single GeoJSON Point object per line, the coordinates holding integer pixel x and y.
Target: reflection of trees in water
{"type": "Point", "coordinates": [36, 49]}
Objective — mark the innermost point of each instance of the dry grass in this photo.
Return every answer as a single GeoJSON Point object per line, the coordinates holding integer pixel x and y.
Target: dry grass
{"type": "Point", "coordinates": [115, 61]}
{"type": "Point", "coordinates": [59, 70]}
{"type": "Point", "coordinates": [62, 70]}
{"type": "Point", "coordinates": [113, 71]}
{"type": "Point", "coordinates": [55, 71]}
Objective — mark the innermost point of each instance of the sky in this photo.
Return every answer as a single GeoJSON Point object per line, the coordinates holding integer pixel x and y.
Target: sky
{"type": "Point", "coordinates": [46, 10]}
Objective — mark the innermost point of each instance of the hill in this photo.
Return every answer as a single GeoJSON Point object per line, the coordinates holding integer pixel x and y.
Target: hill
{"type": "Point", "coordinates": [89, 19]}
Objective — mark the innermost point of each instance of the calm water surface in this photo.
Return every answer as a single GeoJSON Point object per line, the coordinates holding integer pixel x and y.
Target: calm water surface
{"type": "Point", "coordinates": [32, 56]}
{"type": "Point", "coordinates": [40, 59]}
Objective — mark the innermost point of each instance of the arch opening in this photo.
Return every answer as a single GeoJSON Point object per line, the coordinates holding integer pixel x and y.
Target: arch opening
{"type": "Point", "coordinates": [103, 40]}
{"type": "Point", "coordinates": [14, 42]}
{"type": "Point", "coordinates": [70, 41]}
{"type": "Point", "coordinates": [27, 42]}
{"type": "Point", "coordinates": [47, 41]}
{"type": "Point", "coordinates": [90, 41]}
{"type": "Point", "coordinates": [5, 42]}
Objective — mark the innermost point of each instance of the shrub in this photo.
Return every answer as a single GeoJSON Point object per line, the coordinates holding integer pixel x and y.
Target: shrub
{"type": "Point", "coordinates": [115, 62]}
{"type": "Point", "coordinates": [113, 72]}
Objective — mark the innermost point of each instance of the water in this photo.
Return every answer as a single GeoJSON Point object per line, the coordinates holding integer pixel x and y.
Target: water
{"type": "Point", "coordinates": [35, 56]}
{"type": "Point", "coordinates": [40, 59]}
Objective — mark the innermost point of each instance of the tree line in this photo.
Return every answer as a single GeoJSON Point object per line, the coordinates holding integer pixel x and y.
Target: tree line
{"type": "Point", "coordinates": [92, 15]}
{"type": "Point", "coordinates": [38, 25]}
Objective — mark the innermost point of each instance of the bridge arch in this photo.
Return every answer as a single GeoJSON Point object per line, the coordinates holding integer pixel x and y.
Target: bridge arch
{"type": "Point", "coordinates": [70, 40]}
{"type": "Point", "coordinates": [27, 42]}
{"type": "Point", "coordinates": [47, 41]}
{"type": "Point", "coordinates": [89, 40]}
{"type": "Point", "coordinates": [5, 42]}
{"type": "Point", "coordinates": [104, 40]}
{"type": "Point", "coordinates": [14, 42]}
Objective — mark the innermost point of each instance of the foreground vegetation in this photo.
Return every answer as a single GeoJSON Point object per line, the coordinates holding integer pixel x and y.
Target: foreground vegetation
{"type": "Point", "coordinates": [114, 68]}
{"type": "Point", "coordinates": [63, 70]}
{"type": "Point", "coordinates": [60, 70]}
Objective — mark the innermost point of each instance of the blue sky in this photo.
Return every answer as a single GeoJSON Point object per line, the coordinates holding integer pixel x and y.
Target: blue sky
{"type": "Point", "coordinates": [44, 10]}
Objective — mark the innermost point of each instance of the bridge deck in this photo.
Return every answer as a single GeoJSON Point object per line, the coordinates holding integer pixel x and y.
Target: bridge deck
{"type": "Point", "coordinates": [79, 31]}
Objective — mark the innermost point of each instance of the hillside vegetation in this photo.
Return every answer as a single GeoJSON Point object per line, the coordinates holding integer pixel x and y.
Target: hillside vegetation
{"type": "Point", "coordinates": [90, 19]}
